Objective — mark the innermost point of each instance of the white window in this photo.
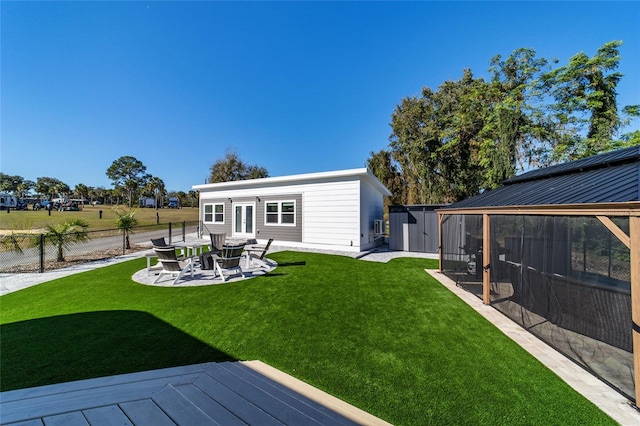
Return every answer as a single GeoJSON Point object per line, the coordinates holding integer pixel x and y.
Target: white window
{"type": "Point", "coordinates": [214, 213]}
{"type": "Point", "coordinates": [280, 213]}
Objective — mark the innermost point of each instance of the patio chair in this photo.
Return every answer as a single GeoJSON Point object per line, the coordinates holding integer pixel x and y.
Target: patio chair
{"type": "Point", "coordinates": [171, 265]}
{"type": "Point", "coordinates": [161, 242]}
{"type": "Point", "coordinates": [257, 253]}
{"type": "Point", "coordinates": [217, 242]}
{"type": "Point", "coordinates": [229, 260]}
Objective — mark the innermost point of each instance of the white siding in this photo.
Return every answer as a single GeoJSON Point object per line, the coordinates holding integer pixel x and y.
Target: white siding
{"type": "Point", "coordinates": [371, 208]}
{"type": "Point", "coordinates": [331, 213]}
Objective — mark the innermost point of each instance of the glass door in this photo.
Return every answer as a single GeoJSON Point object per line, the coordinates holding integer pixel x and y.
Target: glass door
{"type": "Point", "coordinates": [244, 218]}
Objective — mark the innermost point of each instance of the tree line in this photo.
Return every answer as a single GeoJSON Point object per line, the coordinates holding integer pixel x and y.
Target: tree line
{"type": "Point", "coordinates": [130, 181]}
{"type": "Point", "coordinates": [469, 135]}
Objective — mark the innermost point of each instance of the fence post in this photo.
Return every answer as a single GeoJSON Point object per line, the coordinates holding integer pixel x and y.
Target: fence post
{"type": "Point", "coordinates": [41, 253]}
{"type": "Point", "coordinates": [184, 231]}
{"type": "Point", "coordinates": [169, 232]}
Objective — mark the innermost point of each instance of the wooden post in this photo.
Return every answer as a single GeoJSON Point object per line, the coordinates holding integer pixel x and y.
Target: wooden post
{"type": "Point", "coordinates": [634, 234]}
{"type": "Point", "coordinates": [486, 259]}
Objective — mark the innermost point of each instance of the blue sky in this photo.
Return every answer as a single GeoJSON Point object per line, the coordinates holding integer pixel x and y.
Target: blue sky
{"type": "Point", "coordinates": [296, 87]}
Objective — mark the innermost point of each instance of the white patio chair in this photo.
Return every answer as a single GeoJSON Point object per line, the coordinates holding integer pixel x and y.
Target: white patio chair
{"type": "Point", "coordinates": [229, 260]}
{"type": "Point", "coordinates": [171, 265]}
{"type": "Point", "coordinates": [256, 253]}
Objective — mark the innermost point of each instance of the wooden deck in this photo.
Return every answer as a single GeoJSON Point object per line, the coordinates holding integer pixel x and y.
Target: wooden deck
{"type": "Point", "coordinates": [229, 393]}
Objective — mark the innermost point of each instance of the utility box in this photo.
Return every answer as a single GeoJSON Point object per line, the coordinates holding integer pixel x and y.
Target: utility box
{"type": "Point", "coordinates": [414, 227]}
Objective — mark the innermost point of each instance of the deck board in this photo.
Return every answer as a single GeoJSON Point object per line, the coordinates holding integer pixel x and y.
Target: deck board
{"type": "Point", "coordinates": [146, 412]}
{"type": "Point", "coordinates": [316, 411]}
{"type": "Point", "coordinates": [209, 405]}
{"type": "Point", "coordinates": [227, 393]}
{"type": "Point", "coordinates": [235, 403]}
{"type": "Point", "coordinates": [266, 402]}
{"type": "Point", "coordinates": [180, 409]}
{"type": "Point", "coordinates": [74, 418]}
{"type": "Point", "coordinates": [111, 415]}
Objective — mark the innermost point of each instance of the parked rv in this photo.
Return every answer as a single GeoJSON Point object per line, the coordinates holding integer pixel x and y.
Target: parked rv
{"type": "Point", "coordinates": [147, 202]}
{"type": "Point", "coordinates": [7, 201]}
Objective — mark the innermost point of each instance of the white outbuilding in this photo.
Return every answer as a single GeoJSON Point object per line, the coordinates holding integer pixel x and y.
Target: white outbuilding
{"type": "Point", "coordinates": [338, 210]}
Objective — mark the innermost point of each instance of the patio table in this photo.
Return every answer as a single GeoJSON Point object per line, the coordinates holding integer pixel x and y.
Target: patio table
{"type": "Point", "coordinates": [192, 249]}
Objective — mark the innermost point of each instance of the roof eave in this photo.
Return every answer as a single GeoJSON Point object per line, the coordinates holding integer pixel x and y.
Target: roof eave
{"type": "Point", "coordinates": [279, 180]}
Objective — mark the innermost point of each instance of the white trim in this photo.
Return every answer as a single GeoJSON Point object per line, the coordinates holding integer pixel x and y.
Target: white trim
{"type": "Point", "coordinates": [213, 213]}
{"type": "Point", "coordinates": [244, 234]}
{"type": "Point", "coordinates": [280, 213]}
{"type": "Point", "coordinates": [362, 173]}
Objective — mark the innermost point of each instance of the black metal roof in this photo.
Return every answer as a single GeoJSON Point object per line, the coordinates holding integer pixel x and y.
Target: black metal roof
{"type": "Point", "coordinates": [603, 178]}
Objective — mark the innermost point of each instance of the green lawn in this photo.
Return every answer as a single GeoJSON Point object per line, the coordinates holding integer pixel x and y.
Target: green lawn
{"type": "Point", "coordinates": [387, 338]}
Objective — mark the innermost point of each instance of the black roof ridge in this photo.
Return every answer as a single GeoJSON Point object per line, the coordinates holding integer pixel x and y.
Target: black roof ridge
{"type": "Point", "coordinates": [608, 159]}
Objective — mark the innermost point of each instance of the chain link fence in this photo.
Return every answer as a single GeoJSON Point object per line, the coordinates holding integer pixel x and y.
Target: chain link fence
{"type": "Point", "coordinates": [40, 252]}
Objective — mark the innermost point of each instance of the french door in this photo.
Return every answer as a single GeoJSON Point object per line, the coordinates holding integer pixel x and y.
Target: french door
{"type": "Point", "coordinates": [244, 220]}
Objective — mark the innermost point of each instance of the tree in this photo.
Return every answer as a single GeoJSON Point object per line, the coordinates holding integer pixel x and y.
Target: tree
{"type": "Point", "coordinates": [193, 197]}
{"type": "Point", "coordinates": [463, 111]}
{"type": "Point", "coordinates": [128, 172]}
{"type": "Point", "coordinates": [436, 139]}
{"type": "Point", "coordinates": [231, 168]}
{"type": "Point", "coordinates": [126, 222]}
{"type": "Point", "coordinates": [97, 193]}
{"type": "Point", "coordinates": [470, 135]}
{"type": "Point", "coordinates": [156, 187]}
{"type": "Point", "coordinates": [517, 133]}
{"type": "Point", "coordinates": [81, 191]}
{"type": "Point", "coordinates": [25, 187]}
{"type": "Point", "coordinates": [586, 108]}
{"type": "Point", "coordinates": [182, 198]}
{"type": "Point", "coordinates": [382, 165]}
{"type": "Point", "coordinates": [414, 143]}
{"type": "Point", "coordinates": [9, 183]}
{"type": "Point", "coordinates": [51, 187]}
{"type": "Point", "coordinates": [65, 234]}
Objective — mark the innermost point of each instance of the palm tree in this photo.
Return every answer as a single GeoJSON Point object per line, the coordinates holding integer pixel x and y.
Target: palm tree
{"type": "Point", "coordinates": [155, 185]}
{"type": "Point", "coordinates": [65, 234]}
{"type": "Point", "coordinates": [193, 198]}
{"type": "Point", "coordinates": [126, 222]}
{"type": "Point", "coordinates": [81, 191]}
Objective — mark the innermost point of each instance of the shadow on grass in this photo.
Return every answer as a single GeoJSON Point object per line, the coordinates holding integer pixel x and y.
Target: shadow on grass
{"type": "Point", "coordinates": [94, 344]}
{"type": "Point", "coordinates": [285, 264]}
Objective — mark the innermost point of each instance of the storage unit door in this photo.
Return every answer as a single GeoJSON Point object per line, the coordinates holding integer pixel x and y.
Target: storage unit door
{"type": "Point", "coordinates": [396, 222]}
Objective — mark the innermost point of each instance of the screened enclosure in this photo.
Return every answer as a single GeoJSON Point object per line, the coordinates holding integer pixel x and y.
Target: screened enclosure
{"type": "Point", "coordinates": [566, 279]}
{"type": "Point", "coordinates": [565, 267]}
